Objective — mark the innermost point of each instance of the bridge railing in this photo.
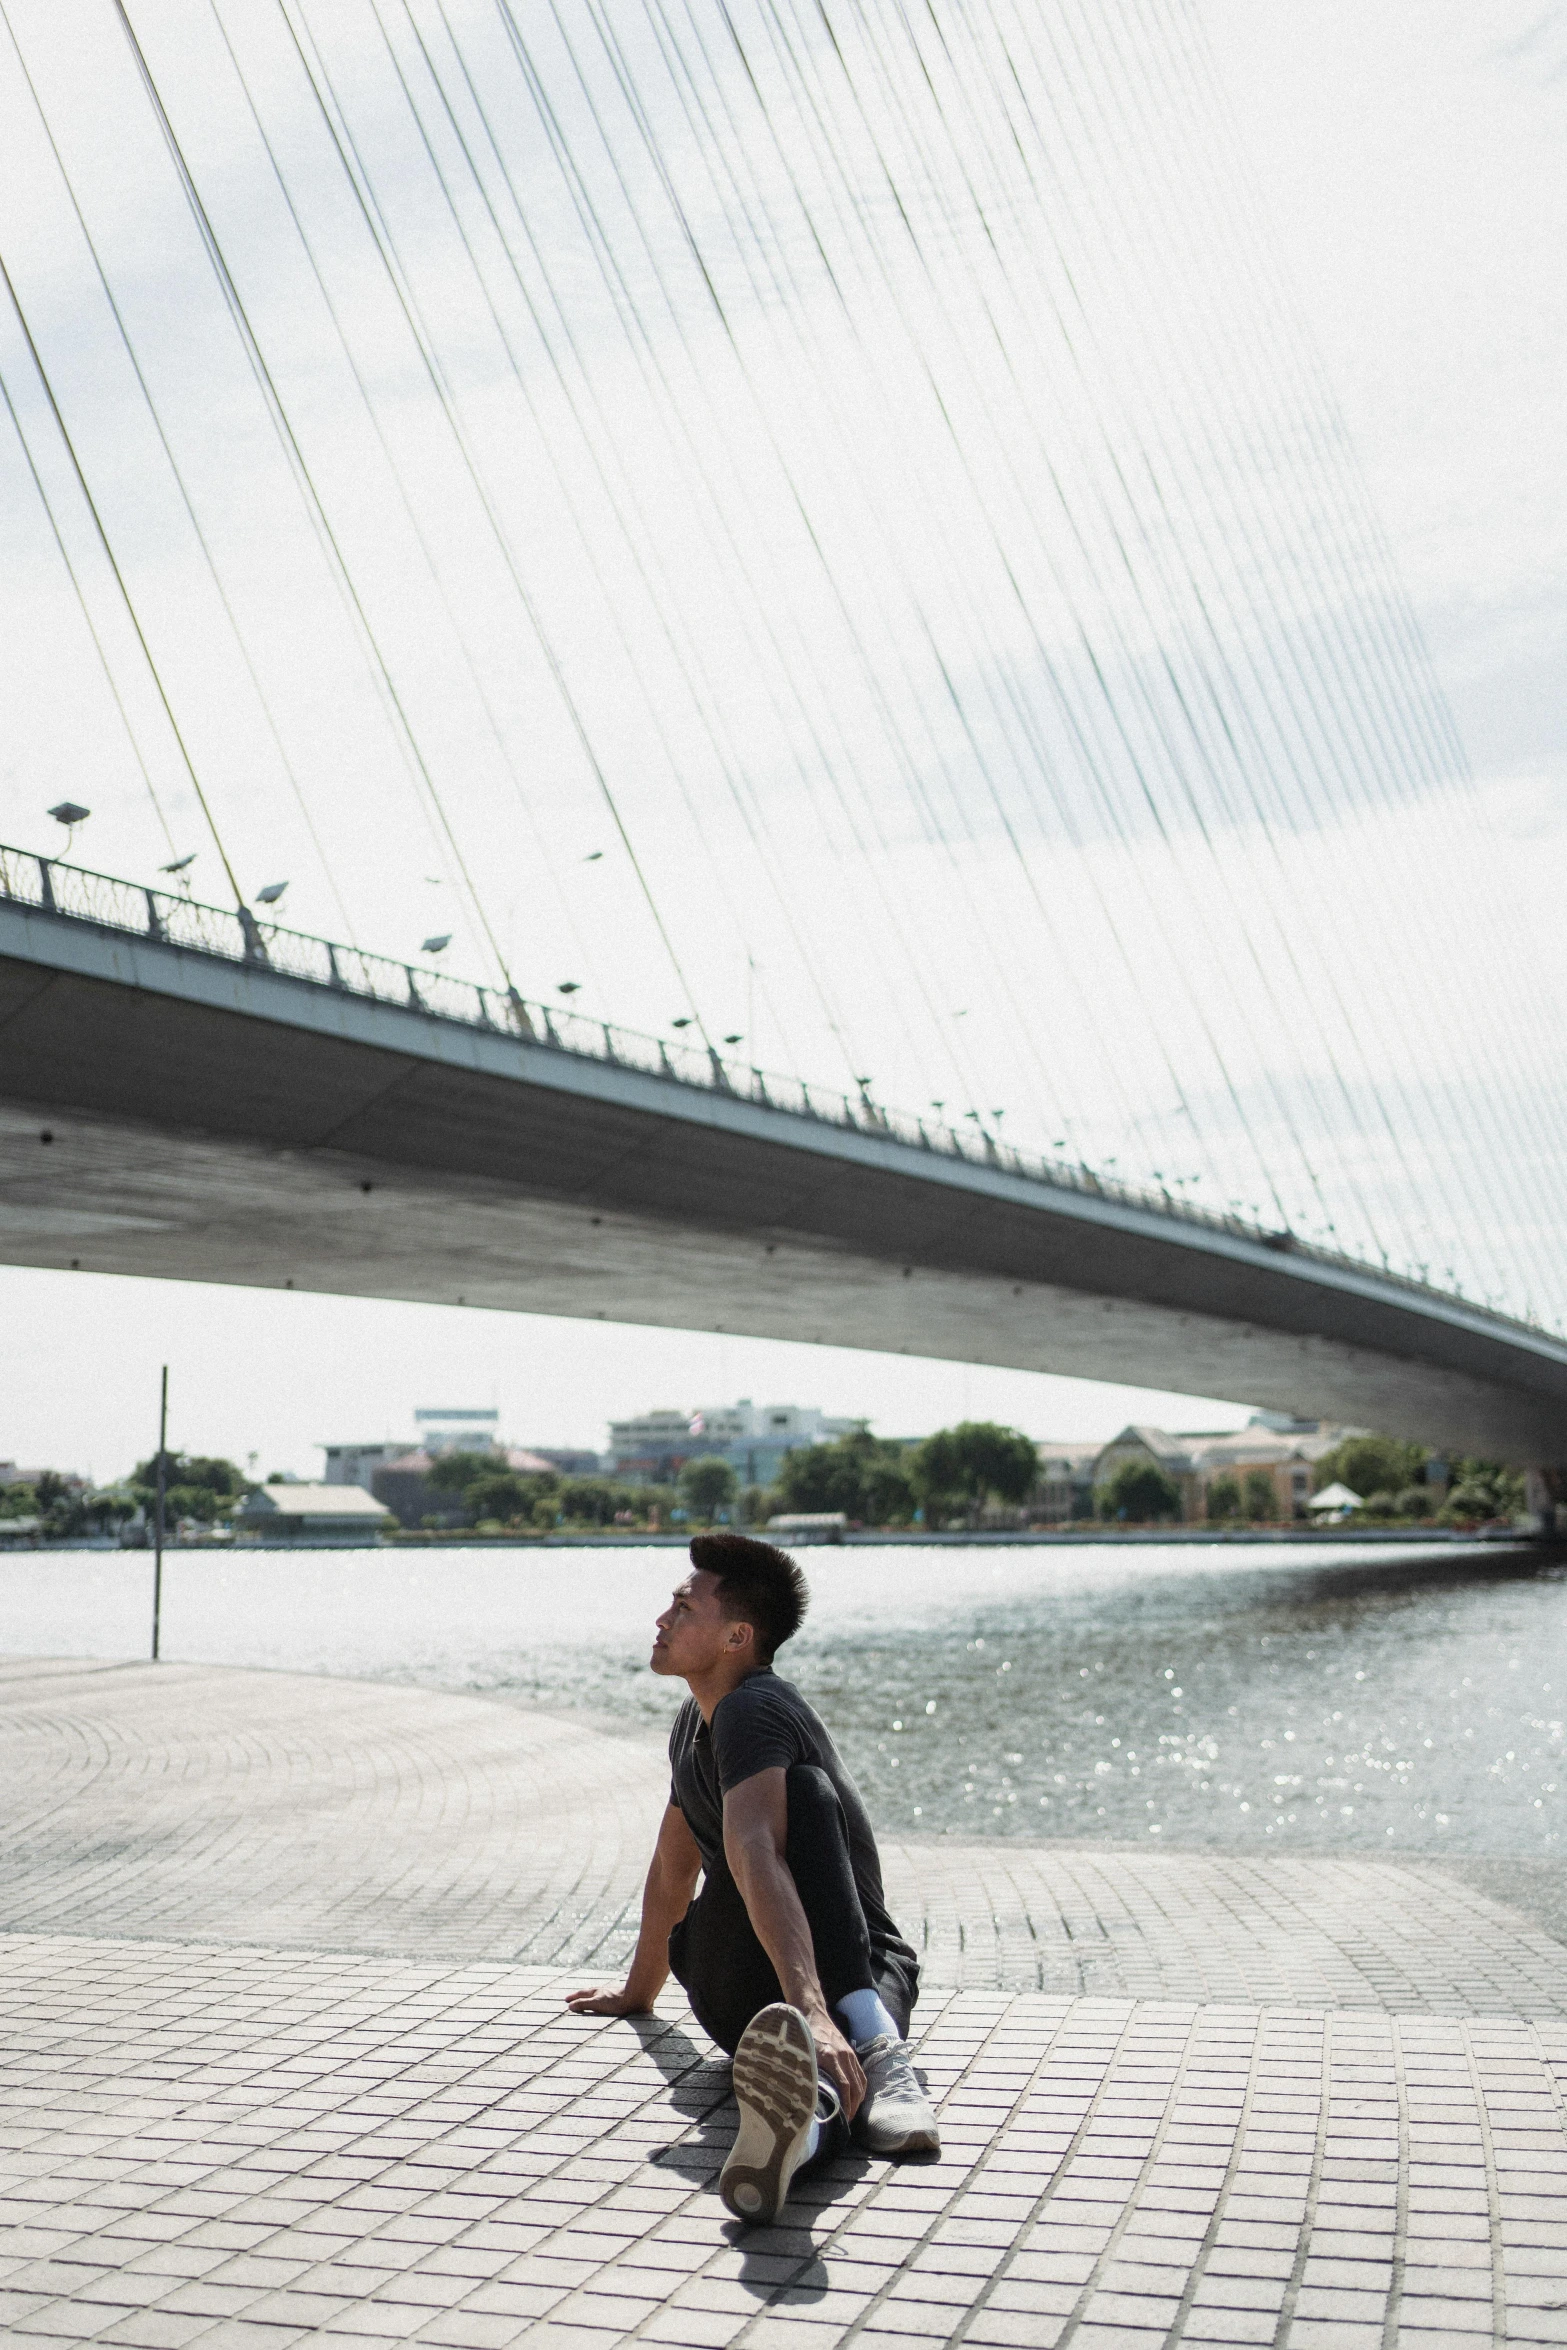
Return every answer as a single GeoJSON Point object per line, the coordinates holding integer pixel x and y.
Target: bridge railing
{"type": "Point", "coordinates": [172, 918]}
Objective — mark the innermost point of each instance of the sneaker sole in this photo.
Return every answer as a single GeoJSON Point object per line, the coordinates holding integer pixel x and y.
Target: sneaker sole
{"type": "Point", "coordinates": [775, 2082]}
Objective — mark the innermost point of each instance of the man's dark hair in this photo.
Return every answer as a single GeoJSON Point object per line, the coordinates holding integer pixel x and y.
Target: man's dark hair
{"type": "Point", "coordinates": [758, 1584]}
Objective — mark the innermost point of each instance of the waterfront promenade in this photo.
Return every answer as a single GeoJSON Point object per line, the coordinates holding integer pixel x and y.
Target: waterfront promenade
{"type": "Point", "coordinates": [284, 2059]}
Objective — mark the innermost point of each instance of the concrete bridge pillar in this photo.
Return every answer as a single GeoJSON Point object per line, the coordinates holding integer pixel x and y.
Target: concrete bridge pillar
{"type": "Point", "coordinates": [1545, 1496]}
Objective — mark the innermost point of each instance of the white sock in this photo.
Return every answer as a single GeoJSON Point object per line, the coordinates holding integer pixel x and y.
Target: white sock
{"type": "Point", "coordinates": [812, 2142]}
{"type": "Point", "coordinates": [866, 2017]}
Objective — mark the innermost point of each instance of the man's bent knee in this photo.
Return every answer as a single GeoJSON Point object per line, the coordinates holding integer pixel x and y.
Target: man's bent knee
{"type": "Point", "coordinates": [811, 1795]}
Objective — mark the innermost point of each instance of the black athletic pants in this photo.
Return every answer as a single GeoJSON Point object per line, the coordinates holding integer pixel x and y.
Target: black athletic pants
{"type": "Point", "coordinates": [714, 1951]}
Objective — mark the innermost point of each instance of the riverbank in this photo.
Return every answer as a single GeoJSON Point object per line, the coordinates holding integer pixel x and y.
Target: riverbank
{"type": "Point", "coordinates": [987, 1538]}
{"type": "Point", "coordinates": [867, 1538]}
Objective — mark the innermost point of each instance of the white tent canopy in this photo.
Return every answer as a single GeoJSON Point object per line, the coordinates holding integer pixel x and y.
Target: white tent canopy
{"type": "Point", "coordinates": [1334, 1497]}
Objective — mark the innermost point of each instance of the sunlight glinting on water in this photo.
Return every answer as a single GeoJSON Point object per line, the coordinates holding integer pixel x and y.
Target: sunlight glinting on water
{"type": "Point", "coordinates": [1320, 1698]}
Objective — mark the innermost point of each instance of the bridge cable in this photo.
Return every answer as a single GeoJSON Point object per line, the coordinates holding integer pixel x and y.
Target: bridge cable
{"type": "Point", "coordinates": [1401, 635]}
{"type": "Point", "coordinates": [1260, 815]}
{"type": "Point", "coordinates": [597, 445]}
{"type": "Point", "coordinates": [179, 478]}
{"type": "Point", "coordinates": [459, 636]}
{"type": "Point", "coordinates": [818, 240]}
{"type": "Point", "coordinates": [949, 684]}
{"type": "Point", "coordinates": [959, 874]}
{"type": "Point", "coordinates": [381, 239]}
{"type": "Point", "coordinates": [74, 576]}
{"type": "Point", "coordinates": [120, 582]}
{"type": "Point", "coordinates": [1209, 683]}
{"type": "Point", "coordinates": [902, 215]}
{"type": "Point", "coordinates": [357, 172]}
{"type": "Point", "coordinates": [705, 278]}
{"type": "Point", "coordinates": [887, 716]}
{"type": "Point", "coordinates": [669, 42]}
{"type": "Point", "coordinates": [1438, 1152]}
{"type": "Point", "coordinates": [304, 480]}
{"type": "Point", "coordinates": [1438, 1162]}
{"type": "Point", "coordinates": [569, 165]}
{"type": "Point", "coordinates": [744, 797]}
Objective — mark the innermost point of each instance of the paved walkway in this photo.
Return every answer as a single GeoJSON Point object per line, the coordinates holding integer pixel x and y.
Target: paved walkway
{"type": "Point", "coordinates": [285, 2060]}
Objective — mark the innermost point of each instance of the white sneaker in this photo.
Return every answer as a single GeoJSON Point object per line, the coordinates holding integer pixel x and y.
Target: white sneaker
{"type": "Point", "coordinates": [896, 2116]}
{"type": "Point", "coordinates": [775, 2083]}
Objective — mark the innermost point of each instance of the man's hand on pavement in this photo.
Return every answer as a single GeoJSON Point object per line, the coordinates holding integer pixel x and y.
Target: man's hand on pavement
{"type": "Point", "coordinates": [607, 2003]}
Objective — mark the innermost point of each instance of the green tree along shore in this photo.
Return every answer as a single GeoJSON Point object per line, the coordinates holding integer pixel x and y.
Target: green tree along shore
{"type": "Point", "coordinates": [1390, 1477]}
{"type": "Point", "coordinates": [1142, 1492]}
{"type": "Point", "coordinates": [197, 1487]}
{"type": "Point", "coordinates": [950, 1478]}
{"type": "Point", "coordinates": [61, 1512]}
{"type": "Point", "coordinates": [975, 1474]}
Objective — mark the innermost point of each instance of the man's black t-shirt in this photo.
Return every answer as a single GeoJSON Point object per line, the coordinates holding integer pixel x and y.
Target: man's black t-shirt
{"type": "Point", "coordinates": [765, 1724]}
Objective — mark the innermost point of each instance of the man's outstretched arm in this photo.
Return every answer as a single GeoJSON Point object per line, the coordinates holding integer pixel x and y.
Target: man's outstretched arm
{"type": "Point", "coordinates": [671, 1881]}
{"type": "Point", "coordinates": [756, 1831]}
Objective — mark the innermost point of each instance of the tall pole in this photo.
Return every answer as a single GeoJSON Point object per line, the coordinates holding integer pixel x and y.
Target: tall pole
{"type": "Point", "coordinates": [157, 1537]}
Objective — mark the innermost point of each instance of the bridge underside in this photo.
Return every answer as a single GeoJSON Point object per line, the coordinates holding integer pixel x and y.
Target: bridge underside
{"type": "Point", "coordinates": [208, 1123]}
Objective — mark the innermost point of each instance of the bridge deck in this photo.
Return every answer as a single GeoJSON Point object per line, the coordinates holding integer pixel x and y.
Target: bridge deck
{"type": "Point", "coordinates": [214, 1120]}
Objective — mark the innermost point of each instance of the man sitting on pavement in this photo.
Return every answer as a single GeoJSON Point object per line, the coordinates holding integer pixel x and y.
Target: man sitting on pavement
{"type": "Point", "coordinates": [788, 1955]}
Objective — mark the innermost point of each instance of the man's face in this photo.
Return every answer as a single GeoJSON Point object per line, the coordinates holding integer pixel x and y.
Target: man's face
{"type": "Point", "coordinates": [693, 1635]}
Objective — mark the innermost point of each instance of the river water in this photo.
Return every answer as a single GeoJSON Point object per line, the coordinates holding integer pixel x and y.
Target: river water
{"type": "Point", "coordinates": [1233, 1697]}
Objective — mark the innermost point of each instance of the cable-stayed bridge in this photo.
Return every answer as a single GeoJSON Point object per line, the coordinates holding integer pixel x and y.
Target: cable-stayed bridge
{"type": "Point", "coordinates": [185, 1097]}
{"type": "Point", "coordinates": [809, 526]}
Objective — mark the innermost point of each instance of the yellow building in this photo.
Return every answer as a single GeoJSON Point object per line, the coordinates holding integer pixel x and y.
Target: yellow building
{"type": "Point", "coordinates": [1285, 1451]}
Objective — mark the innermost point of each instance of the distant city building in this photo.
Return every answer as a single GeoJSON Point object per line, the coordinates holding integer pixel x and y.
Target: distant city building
{"type": "Point", "coordinates": [312, 1513]}
{"type": "Point", "coordinates": [12, 1474]}
{"type": "Point", "coordinates": [1286, 1450]}
{"type": "Point", "coordinates": [398, 1473]}
{"type": "Point", "coordinates": [403, 1481]}
{"type": "Point", "coordinates": [1066, 1481]}
{"type": "Point", "coordinates": [403, 1485]}
{"type": "Point", "coordinates": [356, 1464]}
{"type": "Point", "coordinates": [565, 1459]}
{"type": "Point", "coordinates": [458, 1430]}
{"type": "Point", "coordinates": [652, 1448]}
{"type": "Point", "coordinates": [754, 1439]}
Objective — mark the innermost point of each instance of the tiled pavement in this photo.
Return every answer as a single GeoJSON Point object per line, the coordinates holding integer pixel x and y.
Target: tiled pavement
{"type": "Point", "coordinates": [185, 1803]}
{"type": "Point", "coordinates": [1329, 2115]}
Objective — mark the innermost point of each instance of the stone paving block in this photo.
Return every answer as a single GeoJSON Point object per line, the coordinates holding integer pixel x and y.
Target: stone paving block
{"type": "Point", "coordinates": [1537, 2287]}
{"type": "Point", "coordinates": [701, 2329]}
{"type": "Point", "coordinates": [60, 2321]}
{"type": "Point", "coordinates": [1014, 2330]}
{"type": "Point", "coordinates": [1210, 2324]}
{"type": "Point", "coordinates": [1229, 2259]}
{"type": "Point", "coordinates": [1432, 2338]}
{"type": "Point", "coordinates": [1342, 2303]}
{"type": "Point", "coordinates": [1119, 2337]}
{"type": "Point", "coordinates": [1230, 2292]}
{"type": "Point", "coordinates": [797, 2331]}
{"type": "Point", "coordinates": [154, 2329]}
{"type": "Point", "coordinates": [1458, 2316]}
{"type": "Point", "coordinates": [467, 2329]}
{"type": "Point", "coordinates": [1139, 2310]}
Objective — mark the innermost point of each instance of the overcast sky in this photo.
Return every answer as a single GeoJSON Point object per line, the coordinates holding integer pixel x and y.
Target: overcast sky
{"type": "Point", "coordinates": [1409, 159]}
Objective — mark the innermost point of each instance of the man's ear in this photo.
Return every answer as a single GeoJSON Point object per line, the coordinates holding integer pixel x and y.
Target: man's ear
{"type": "Point", "coordinates": [741, 1634]}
